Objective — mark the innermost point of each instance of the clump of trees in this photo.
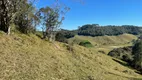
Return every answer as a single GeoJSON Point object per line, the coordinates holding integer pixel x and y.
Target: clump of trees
{"type": "Point", "coordinates": [96, 30]}
{"type": "Point", "coordinates": [18, 12]}
{"type": "Point", "coordinates": [24, 17]}
{"type": "Point", "coordinates": [137, 52]}
{"type": "Point", "coordinates": [63, 35]}
{"type": "Point", "coordinates": [124, 54]}
{"type": "Point", "coordinates": [110, 30]}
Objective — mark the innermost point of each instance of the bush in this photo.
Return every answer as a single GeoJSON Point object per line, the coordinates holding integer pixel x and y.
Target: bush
{"type": "Point", "coordinates": [124, 54]}
{"type": "Point", "coordinates": [63, 35]}
{"type": "Point", "coordinates": [60, 37]}
{"type": "Point", "coordinates": [85, 44]}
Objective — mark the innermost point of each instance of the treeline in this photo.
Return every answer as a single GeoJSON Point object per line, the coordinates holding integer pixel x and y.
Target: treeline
{"type": "Point", "coordinates": [96, 30]}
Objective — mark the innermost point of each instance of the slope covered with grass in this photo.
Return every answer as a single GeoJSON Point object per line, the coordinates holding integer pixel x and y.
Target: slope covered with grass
{"type": "Point", "coordinates": [106, 40]}
{"type": "Point", "coordinates": [25, 57]}
{"type": "Point", "coordinates": [106, 43]}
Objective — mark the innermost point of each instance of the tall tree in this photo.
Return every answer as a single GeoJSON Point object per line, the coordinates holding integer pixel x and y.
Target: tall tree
{"type": "Point", "coordinates": [27, 19]}
{"type": "Point", "coordinates": [137, 52]}
{"type": "Point", "coordinates": [51, 18]}
{"type": "Point", "coordinates": [9, 10]}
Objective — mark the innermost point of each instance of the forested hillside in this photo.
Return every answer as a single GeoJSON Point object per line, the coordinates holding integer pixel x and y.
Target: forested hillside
{"type": "Point", "coordinates": [96, 30]}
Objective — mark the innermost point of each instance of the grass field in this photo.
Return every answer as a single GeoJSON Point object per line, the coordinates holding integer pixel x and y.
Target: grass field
{"type": "Point", "coordinates": [106, 43]}
{"type": "Point", "coordinates": [25, 57]}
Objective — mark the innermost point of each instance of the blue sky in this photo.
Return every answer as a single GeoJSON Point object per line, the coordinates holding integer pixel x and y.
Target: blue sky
{"type": "Point", "coordinates": [103, 12]}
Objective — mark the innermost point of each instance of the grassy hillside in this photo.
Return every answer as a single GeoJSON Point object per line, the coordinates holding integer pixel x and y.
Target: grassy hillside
{"type": "Point", "coordinates": [25, 57]}
{"type": "Point", "coordinates": [106, 43]}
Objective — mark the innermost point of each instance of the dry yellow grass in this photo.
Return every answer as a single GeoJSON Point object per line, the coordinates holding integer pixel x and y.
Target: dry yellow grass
{"type": "Point", "coordinates": [30, 58]}
{"type": "Point", "coordinates": [106, 43]}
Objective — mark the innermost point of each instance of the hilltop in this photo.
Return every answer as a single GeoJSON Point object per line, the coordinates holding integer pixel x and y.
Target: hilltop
{"type": "Point", "coordinates": [27, 57]}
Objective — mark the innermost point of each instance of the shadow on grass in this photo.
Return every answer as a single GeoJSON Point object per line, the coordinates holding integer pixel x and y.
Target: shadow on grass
{"type": "Point", "coordinates": [138, 72]}
{"type": "Point", "coordinates": [127, 65]}
{"type": "Point", "coordinates": [137, 79]}
{"type": "Point", "coordinates": [122, 63]}
{"type": "Point", "coordinates": [38, 35]}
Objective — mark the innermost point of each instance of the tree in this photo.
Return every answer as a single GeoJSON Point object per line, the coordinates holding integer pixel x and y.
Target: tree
{"type": "Point", "coordinates": [27, 19]}
{"type": "Point", "coordinates": [51, 19]}
{"type": "Point", "coordinates": [137, 52]}
{"type": "Point", "coordinates": [60, 37]}
{"type": "Point", "coordinates": [9, 10]}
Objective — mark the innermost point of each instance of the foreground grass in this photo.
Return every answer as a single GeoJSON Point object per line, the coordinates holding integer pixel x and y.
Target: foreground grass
{"type": "Point", "coordinates": [30, 58]}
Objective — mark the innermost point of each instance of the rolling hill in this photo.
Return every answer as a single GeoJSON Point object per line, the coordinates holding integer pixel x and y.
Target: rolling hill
{"type": "Point", "coordinates": [25, 57]}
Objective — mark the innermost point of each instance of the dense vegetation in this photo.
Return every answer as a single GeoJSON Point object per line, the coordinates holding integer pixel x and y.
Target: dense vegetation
{"type": "Point", "coordinates": [96, 30]}
{"type": "Point", "coordinates": [137, 52]}
{"type": "Point", "coordinates": [63, 35]}
{"type": "Point", "coordinates": [122, 53]}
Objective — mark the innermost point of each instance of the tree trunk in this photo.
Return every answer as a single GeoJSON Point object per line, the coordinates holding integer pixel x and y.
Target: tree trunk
{"type": "Point", "coordinates": [8, 32]}
{"type": "Point", "coordinates": [50, 37]}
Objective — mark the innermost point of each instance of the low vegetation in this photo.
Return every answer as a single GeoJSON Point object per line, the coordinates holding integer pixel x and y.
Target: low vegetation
{"type": "Point", "coordinates": [85, 43]}
{"type": "Point", "coordinates": [100, 41]}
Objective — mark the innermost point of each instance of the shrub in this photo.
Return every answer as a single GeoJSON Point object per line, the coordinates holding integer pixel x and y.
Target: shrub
{"type": "Point", "coordinates": [86, 44]}
{"type": "Point", "coordinates": [60, 37]}
{"type": "Point", "coordinates": [124, 54]}
{"type": "Point", "coordinates": [63, 35]}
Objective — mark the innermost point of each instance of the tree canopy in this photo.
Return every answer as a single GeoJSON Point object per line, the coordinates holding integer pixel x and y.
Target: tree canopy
{"type": "Point", "coordinates": [96, 30]}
